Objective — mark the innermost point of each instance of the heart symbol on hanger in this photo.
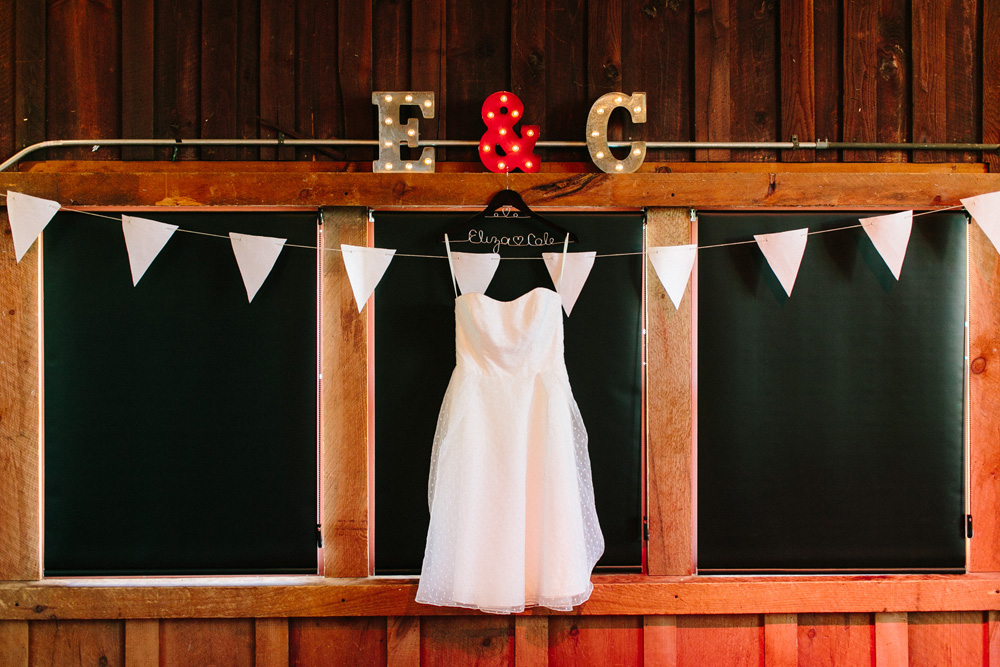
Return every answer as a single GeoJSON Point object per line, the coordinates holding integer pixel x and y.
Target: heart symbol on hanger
{"type": "Point", "coordinates": [518, 240]}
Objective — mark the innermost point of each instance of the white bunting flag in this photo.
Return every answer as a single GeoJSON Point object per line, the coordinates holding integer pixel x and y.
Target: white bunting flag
{"type": "Point", "coordinates": [986, 211]}
{"type": "Point", "coordinates": [28, 216]}
{"type": "Point", "coordinates": [256, 256]}
{"type": "Point", "coordinates": [365, 267]}
{"type": "Point", "coordinates": [474, 270]}
{"type": "Point", "coordinates": [783, 252]}
{"type": "Point", "coordinates": [144, 239]}
{"type": "Point", "coordinates": [673, 266]}
{"type": "Point", "coordinates": [890, 234]}
{"type": "Point", "coordinates": [578, 266]}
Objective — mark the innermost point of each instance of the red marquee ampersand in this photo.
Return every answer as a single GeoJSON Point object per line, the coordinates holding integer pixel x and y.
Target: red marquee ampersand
{"type": "Point", "coordinates": [501, 149]}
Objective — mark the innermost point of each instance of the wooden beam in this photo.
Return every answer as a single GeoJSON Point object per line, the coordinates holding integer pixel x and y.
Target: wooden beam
{"type": "Point", "coordinates": [403, 641]}
{"type": "Point", "coordinates": [142, 642]}
{"type": "Point", "coordinates": [891, 646]}
{"type": "Point", "coordinates": [659, 640]}
{"type": "Point", "coordinates": [20, 481]}
{"type": "Point", "coordinates": [344, 404]}
{"type": "Point", "coordinates": [614, 595]}
{"type": "Point", "coordinates": [723, 190]}
{"type": "Point", "coordinates": [531, 641]}
{"type": "Point", "coordinates": [670, 483]}
{"type": "Point", "coordinates": [781, 640]}
{"type": "Point", "coordinates": [271, 642]}
{"type": "Point", "coordinates": [14, 643]}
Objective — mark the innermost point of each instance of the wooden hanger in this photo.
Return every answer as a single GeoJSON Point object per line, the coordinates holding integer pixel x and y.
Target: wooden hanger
{"type": "Point", "coordinates": [513, 200]}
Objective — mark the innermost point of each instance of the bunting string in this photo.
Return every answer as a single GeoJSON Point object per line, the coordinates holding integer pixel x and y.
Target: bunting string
{"type": "Point", "coordinates": [256, 255]}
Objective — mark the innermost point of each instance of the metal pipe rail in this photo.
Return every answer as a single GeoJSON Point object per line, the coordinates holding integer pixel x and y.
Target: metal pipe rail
{"type": "Point", "coordinates": [446, 143]}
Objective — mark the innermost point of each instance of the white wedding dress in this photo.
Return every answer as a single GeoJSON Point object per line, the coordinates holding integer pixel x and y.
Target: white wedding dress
{"type": "Point", "coordinates": [513, 522]}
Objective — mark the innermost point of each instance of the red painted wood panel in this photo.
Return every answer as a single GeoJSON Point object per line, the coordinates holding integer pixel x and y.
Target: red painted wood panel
{"type": "Point", "coordinates": [798, 100]}
{"type": "Point", "coordinates": [564, 114]}
{"type": "Point", "coordinates": [831, 640]}
{"type": "Point", "coordinates": [946, 100]}
{"type": "Point", "coordinates": [593, 640]}
{"type": "Point", "coordinates": [247, 80]}
{"type": "Point", "coordinates": [337, 641]}
{"type": "Point", "coordinates": [656, 52]}
{"type": "Point", "coordinates": [29, 71]}
{"type": "Point", "coordinates": [318, 113]}
{"type": "Point", "coordinates": [529, 64]}
{"type": "Point", "coordinates": [478, 56]}
{"type": "Point", "coordinates": [83, 73]}
{"type": "Point", "coordinates": [76, 643]}
{"type": "Point", "coordinates": [448, 641]}
{"type": "Point", "coordinates": [753, 80]}
{"type": "Point", "coordinates": [137, 75]}
{"type": "Point", "coordinates": [604, 57]}
{"type": "Point", "coordinates": [427, 62]}
{"type": "Point", "coordinates": [219, 37]}
{"type": "Point", "coordinates": [876, 75]}
{"type": "Point", "coordinates": [948, 639]}
{"type": "Point", "coordinates": [177, 74]}
{"type": "Point", "coordinates": [6, 80]}
{"type": "Point", "coordinates": [355, 73]}
{"type": "Point", "coordinates": [391, 33]}
{"type": "Point", "coordinates": [712, 95]}
{"type": "Point", "coordinates": [216, 641]}
{"type": "Point", "coordinates": [277, 76]}
{"type": "Point", "coordinates": [737, 641]}
{"type": "Point", "coordinates": [990, 68]}
{"type": "Point", "coordinates": [828, 61]}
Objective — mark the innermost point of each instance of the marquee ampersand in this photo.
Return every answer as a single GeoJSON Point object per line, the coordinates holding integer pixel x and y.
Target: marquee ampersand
{"type": "Point", "coordinates": [501, 149]}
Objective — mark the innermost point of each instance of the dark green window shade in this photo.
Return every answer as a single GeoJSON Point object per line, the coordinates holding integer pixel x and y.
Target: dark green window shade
{"type": "Point", "coordinates": [415, 356]}
{"type": "Point", "coordinates": [830, 423]}
{"type": "Point", "coordinates": [180, 421]}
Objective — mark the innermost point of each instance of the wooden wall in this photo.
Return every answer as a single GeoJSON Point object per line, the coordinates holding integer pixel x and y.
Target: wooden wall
{"type": "Point", "coordinates": [852, 70]}
{"type": "Point", "coordinates": [780, 640]}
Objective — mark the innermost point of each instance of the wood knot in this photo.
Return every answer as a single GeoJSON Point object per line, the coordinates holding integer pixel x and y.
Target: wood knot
{"type": "Point", "coordinates": [978, 365]}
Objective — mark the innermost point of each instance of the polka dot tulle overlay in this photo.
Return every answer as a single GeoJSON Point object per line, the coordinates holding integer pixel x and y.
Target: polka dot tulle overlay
{"type": "Point", "coordinates": [513, 522]}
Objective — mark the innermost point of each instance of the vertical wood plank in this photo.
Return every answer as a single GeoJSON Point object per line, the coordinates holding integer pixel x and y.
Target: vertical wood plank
{"type": "Point", "coordinates": [354, 64]}
{"type": "Point", "coordinates": [990, 36]}
{"type": "Point", "coordinates": [669, 447]}
{"type": "Point", "coordinates": [733, 640]}
{"type": "Point", "coordinates": [142, 643]}
{"type": "Point", "coordinates": [14, 643]}
{"type": "Point", "coordinates": [531, 641]}
{"type": "Point", "coordinates": [68, 643]}
{"type": "Point", "coordinates": [7, 93]}
{"type": "Point", "coordinates": [137, 76]}
{"type": "Point", "coordinates": [337, 641]}
{"type": "Point", "coordinates": [20, 528]}
{"type": "Point", "coordinates": [177, 72]}
{"type": "Point", "coordinates": [277, 77]}
{"type": "Point", "coordinates": [564, 112]}
{"type": "Point", "coordinates": [992, 638]}
{"type": "Point", "coordinates": [427, 62]}
{"type": "Point", "coordinates": [207, 641]}
{"type": "Point", "coordinates": [891, 641]}
{"type": "Point", "coordinates": [271, 642]}
{"type": "Point", "coordinates": [828, 61]}
{"type": "Point", "coordinates": [656, 50]}
{"type": "Point", "coordinates": [604, 57]}
{"type": "Point", "coordinates": [391, 33]}
{"type": "Point", "coordinates": [528, 65]}
{"type": "Point", "coordinates": [712, 94]}
{"type": "Point", "coordinates": [984, 392]}
{"type": "Point", "coordinates": [29, 71]}
{"type": "Point", "coordinates": [659, 640]}
{"type": "Point", "coordinates": [830, 640]}
{"type": "Point", "coordinates": [753, 59]}
{"type": "Point", "coordinates": [247, 78]}
{"type": "Point", "coordinates": [317, 88]}
{"type": "Point", "coordinates": [218, 76]}
{"type": "Point", "coordinates": [781, 637]}
{"type": "Point", "coordinates": [345, 404]}
{"type": "Point", "coordinates": [595, 640]}
{"type": "Point", "coordinates": [447, 641]}
{"type": "Point", "coordinates": [485, 66]}
{"type": "Point", "coordinates": [876, 72]}
{"type": "Point", "coordinates": [403, 641]}
{"type": "Point", "coordinates": [945, 97]}
{"type": "Point", "coordinates": [798, 101]}
{"type": "Point", "coordinates": [946, 639]}
{"type": "Point", "coordinates": [82, 64]}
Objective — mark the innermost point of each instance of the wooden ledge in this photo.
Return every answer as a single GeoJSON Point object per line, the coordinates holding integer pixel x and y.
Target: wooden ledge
{"type": "Point", "coordinates": [613, 595]}
{"type": "Point", "coordinates": [745, 189]}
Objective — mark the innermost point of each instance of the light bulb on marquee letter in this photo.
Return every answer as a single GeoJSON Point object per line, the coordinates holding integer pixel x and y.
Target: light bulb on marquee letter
{"type": "Point", "coordinates": [392, 133]}
{"type": "Point", "coordinates": [597, 132]}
